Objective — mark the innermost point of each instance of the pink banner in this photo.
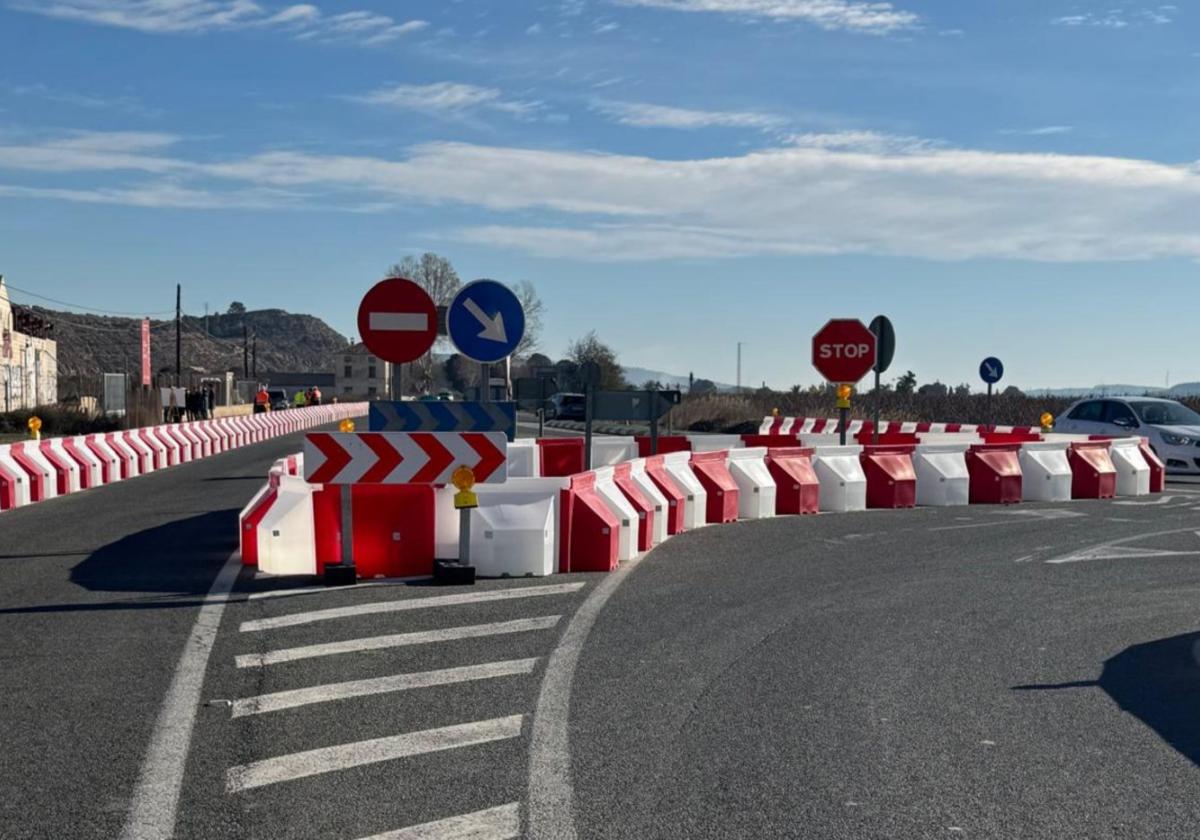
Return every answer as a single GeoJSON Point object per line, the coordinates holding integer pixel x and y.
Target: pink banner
{"type": "Point", "coordinates": [146, 351]}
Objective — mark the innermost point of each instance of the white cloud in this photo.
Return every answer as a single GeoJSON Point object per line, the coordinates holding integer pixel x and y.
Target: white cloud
{"type": "Point", "coordinates": [830, 194]}
{"type": "Point", "coordinates": [646, 115]}
{"type": "Point", "coordinates": [534, 29]}
{"type": "Point", "coordinates": [853, 15]}
{"type": "Point", "coordinates": [1042, 131]}
{"type": "Point", "coordinates": [605, 27]}
{"type": "Point", "coordinates": [304, 20]}
{"type": "Point", "coordinates": [1120, 18]}
{"type": "Point", "coordinates": [447, 98]}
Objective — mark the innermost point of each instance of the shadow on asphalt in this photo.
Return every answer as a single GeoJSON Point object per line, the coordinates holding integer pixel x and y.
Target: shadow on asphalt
{"type": "Point", "coordinates": [1157, 682]}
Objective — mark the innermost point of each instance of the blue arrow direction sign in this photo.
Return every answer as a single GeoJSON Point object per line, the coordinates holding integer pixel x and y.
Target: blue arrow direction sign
{"type": "Point", "coordinates": [485, 321]}
{"type": "Point", "coordinates": [991, 370]}
{"type": "Point", "coordinates": [443, 417]}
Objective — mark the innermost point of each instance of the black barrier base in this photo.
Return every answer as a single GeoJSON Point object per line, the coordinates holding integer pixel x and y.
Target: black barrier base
{"type": "Point", "coordinates": [450, 573]}
{"type": "Point", "coordinates": [339, 574]}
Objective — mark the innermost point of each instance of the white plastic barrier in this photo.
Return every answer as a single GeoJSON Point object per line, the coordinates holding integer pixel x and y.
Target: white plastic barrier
{"type": "Point", "coordinates": [65, 462]}
{"type": "Point", "coordinates": [91, 471]}
{"type": "Point", "coordinates": [756, 488]}
{"type": "Point", "coordinates": [679, 467]}
{"type": "Point", "coordinates": [637, 472]}
{"type": "Point", "coordinates": [942, 476]}
{"type": "Point", "coordinates": [621, 508]}
{"type": "Point", "coordinates": [144, 452]}
{"type": "Point", "coordinates": [843, 482]}
{"type": "Point", "coordinates": [515, 539]}
{"type": "Point", "coordinates": [524, 459]}
{"type": "Point", "coordinates": [714, 443]}
{"type": "Point", "coordinates": [33, 455]}
{"type": "Point", "coordinates": [515, 491]}
{"type": "Point", "coordinates": [1133, 472]}
{"type": "Point", "coordinates": [131, 459]}
{"type": "Point", "coordinates": [1046, 472]}
{"type": "Point", "coordinates": [20, 479]}
{"type": "Point", "coordinates": [607, 451]}
{"type": "Point", "coordinates": [287, 538]}
{"type": "Point", "coordinates": [818, 441]}
{"type": "Point", "coordinates": [949, 438]}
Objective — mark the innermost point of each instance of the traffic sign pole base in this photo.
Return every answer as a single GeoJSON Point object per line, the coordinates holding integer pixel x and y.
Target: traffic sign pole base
{"type": "Point", "coordinates": [451, 573]}
{"type": "Point", "coordinates": [340, 574]}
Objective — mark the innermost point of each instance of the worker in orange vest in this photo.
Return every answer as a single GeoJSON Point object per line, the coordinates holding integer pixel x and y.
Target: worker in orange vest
{"type": "Point", "coordinates": [262, 400]}
{"type": "Point", "coordinates": [316, 396]}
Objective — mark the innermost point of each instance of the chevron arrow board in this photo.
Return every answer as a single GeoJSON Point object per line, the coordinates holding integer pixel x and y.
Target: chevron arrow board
{"type": "Point", "coordinates": [443, 417]}
{"type": "Point", "coordinates": [403, 457]}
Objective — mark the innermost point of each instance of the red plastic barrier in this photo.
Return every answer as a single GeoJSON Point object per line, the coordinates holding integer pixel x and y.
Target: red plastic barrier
{"type": "Point", "coordinates": [91, 468]}
{"type": "Point", "coordinates": [127, 457]}
{"type": "Point", "coordinates": [645, 507]}
{"type": "Point", "coordinates": [590, 533]}
{"type": "Point", "coordinates": [995, 471]}
{"type": "Point", "coordinates": [8, 487]}
{"type": "Point", "coordinates": [145, 455]}
{"type": "Point", "coordinates": [65, 468]}
{"type": "Point", "coordinates": [676, 499]}
{"type": "Point", "coordinates": [43, 484]}
{"type": "Point", "coordinates": [1011, 437]}
{"type": "Point", "coordinates": [666, 445]}
{"type": "Point", "coordinates": [201, 448]}
{"type": "Point", "coordinates": [248, 536]}
{"type": "Point", "coordinates": [867, 438]}
{"type": "Point", "coordinates": [184, 443]}
{"type": "Point", "coordinates": [797, 489]}
{"type": "Point", "coordinates": [713, 472]}
{"type": "Point", "coordinates": [1158, 470]}
{"type": "Point", "coordinates": [769, 441]}
{"type": "Point", "coordinates": [393, 528]}
{"type": "Point", "coordinates": [156, 446]}
{"type": "Point", "coordinates": [891, 478]}
{"type": "Point", "coordinates": [561, 457]}
{"type": "Point", "coordinates": [110, 462]}
{"type": "Point", "coordinates": [1094, 474]}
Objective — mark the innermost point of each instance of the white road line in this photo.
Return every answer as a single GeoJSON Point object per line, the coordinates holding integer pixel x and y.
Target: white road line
{"type": "Point", "coordinates": [983, 525]}
{"type": "Point", "coordinates": [286, 768]}
{"type": "Point", "coordinates": [474, 631]}
{"type": "Point", "coordinates": [155, 800]}
{"type": "Point", "coordinates": [409, 604]}
{"type": "Point", "coordinates": [319, 590]}
{"type": "Point", "coordinates": [384, 685]}
{"type": "Point", "coordinates": [503, 823]}
{"type": "Point", "coordinates": [551, 796]}
{"type": "Point", "coordinates": [1097, 552]}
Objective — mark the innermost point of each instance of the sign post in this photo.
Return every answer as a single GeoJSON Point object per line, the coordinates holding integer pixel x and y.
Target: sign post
{"type": "Point", "coordinates": [885, 350]}
{"type": "Point", "coordinates": [991, 371]}
{"type": "Point", "coordinates": [589, 372]}
{"type": "Point", "coordinates": [843, 351]}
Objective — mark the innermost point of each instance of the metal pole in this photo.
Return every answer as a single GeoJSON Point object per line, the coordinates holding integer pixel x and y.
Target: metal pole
{"type": "Point", "coordinates": [178, 335]}
{"type": "Point", "coordinates": [245, 351]}
{"type": "Point", "coordinates": [464, 537]}
{"type": "Point", "coordinates": [843, 419]}
{"type": "Point", "coordinates": [654, 422]}
{"type": "Point", "coordinates": [541, 422]}
{"type": "Point", "coordinates": [990, 417]}
{"type": "Point", "coordinates": [485, 380]}
{"type": "Point", "coordinates": [347, 525]}
{"type": "Point", "coordinates": [739, 369]}
{"type": "Point", "coordinates": [587, 427]}
{"type": "Point", "coordinates": [875, 436]}
{"type": "Point", "coordinates": [254, 355]}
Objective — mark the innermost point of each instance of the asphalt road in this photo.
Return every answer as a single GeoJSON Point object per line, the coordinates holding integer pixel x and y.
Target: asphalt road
{"type": "Point", "coordinates": [905, 674]}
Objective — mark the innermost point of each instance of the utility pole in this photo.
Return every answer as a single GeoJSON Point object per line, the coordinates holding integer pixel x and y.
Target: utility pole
{"type": "Point", "coordinates": [254, 355]}
{"type": "Point", "coordinates": [739, 370]}
{"type": "Point", "coordinates": [245, 352]}
{"type": "Point", "coordinates": [178, 334]}
{"type": "Point", "coordinates": [206, 332]}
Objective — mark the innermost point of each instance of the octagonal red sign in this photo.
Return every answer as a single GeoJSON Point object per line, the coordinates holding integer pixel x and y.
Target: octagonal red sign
{"type": "Point", "coordinates": [397, 320]}
{"type": "Point", "coordinates": [844, 350]}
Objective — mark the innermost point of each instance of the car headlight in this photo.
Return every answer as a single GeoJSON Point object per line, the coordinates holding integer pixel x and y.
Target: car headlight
{"type": "Point", "coordinates": [1176, 440]}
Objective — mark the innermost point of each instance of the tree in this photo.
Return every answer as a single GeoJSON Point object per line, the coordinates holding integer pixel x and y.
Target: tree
{"type": "Point", "coordinates": [795, 390]}
{"type": "Point", "coordinates": [538, 360]}
{"type": "Point", "coordinates": [963, 390]}
{"type": "Point", "coordinates": [703, 386]}
{"type": "Point", "coordinates": [907, 383]}
{"type": "Point", "coordinates": [1013, 391]}
{"type": "Point", "coordinates": [652, 385]}
{"type": "Point", "coordinates": [431, 272]}
{"type": "Point", "coordinates": [534, 309]}
{"type": "Point", "coordinates": [936, 389]}
{"type": "Point", "coordinates": [591, 349]}
{"type": "Point", "coordinates": [237, 308]}
{"type": "Point", "coordinates": [461, 373]}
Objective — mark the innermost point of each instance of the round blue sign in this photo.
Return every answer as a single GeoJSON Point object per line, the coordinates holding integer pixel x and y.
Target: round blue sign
{"type": "Point", "coordinates": [991, 370]}
{"type": "Point", "coordinates": [486, 321]}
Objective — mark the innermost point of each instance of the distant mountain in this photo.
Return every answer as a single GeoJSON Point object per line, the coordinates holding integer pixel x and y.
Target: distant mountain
{"type": "Point", "coordinates": [89, 345]}
{"type": "Point", "coordinates": [1183, 389]}
{"type": "Point", "coordinates": [637, 376]}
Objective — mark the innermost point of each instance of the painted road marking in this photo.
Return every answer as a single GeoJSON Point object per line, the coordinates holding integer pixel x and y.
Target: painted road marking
{"type": "Point", "coordinates": [475, 631]}
{"type": "Point", "coordinates": [155, 799]}
{"type": "Point", "coordinates": [406, 604]}
{"type": "Point", "coordinates": [980, 525]}
{"type": "Point", "coordinates": [501, 823]}
{"type": "Point", "coordinates": [384, 685]}
{"type": "Point", "coordinates": [1098, 552]}
{"type": "Point", "coordinates": [320, 590]}
{"type": "Point", "coordinates": [301, 765]}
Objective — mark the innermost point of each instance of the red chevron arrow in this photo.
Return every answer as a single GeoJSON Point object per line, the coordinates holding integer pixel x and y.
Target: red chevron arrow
{"type": "Point", "coordinates": [336, 458]}
{"type": "Point", "coordinates": [389, 458]}
{"type": "Point", "coordinates": [440, 459]}
{"type": "Point", "coordinates": [490, 458]}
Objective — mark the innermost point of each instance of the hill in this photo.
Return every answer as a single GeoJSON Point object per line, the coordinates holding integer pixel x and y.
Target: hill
{"type": "Point", "coordinates": [89, 345]}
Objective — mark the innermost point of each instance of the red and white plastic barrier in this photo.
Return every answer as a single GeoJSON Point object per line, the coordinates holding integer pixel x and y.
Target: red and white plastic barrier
{"type": "Point", "coordinates": [34, 471]}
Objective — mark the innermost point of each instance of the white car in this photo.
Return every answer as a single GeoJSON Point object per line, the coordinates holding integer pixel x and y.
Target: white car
{"type": "Point", "coordinates": [1173, 428]}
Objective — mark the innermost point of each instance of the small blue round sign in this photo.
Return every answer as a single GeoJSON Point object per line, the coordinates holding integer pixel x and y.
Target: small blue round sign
{"type": "Point", "coordinates": [486, 321]}
{"type": "Point", "coordinates": [991, 370]}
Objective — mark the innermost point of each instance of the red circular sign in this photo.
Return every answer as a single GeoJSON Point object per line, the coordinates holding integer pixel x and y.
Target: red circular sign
{"type": "Point", "coordinates": [844, 350]}
{"type": "Point", "coordinates": [397, 320]}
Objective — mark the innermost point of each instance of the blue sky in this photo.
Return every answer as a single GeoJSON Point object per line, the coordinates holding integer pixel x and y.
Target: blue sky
{"type": "Point", "coordinates": [1015, 178]}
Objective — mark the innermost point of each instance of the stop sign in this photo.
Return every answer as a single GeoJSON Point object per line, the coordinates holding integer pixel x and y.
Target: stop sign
{"type": "Point", "coordinates": [844, 350]}
{"type": "Point", "coordinates": [397, 320]}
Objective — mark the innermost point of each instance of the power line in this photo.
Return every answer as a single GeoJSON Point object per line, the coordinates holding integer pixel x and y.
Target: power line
{"type": "Point", "coordinates": [81, 306]}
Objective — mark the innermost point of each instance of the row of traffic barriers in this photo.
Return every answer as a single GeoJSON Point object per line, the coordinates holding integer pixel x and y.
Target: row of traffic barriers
{"type": "Point", "coordinates": [552, 515]}
{"type": "Point", "coordinates": [820, 425]}
{"type": "Point", "coordinates": [36, 470]}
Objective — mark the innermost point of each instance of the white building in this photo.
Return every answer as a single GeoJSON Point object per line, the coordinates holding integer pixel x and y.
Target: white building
{"type": "Point", "coordinates": [358, 373]}
{"type": "Point", "coordinates": [28, 365]}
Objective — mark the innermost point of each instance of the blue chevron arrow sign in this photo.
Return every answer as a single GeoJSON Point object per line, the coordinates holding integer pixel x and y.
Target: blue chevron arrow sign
{"type": "Point", "coordinates": [443, 417]}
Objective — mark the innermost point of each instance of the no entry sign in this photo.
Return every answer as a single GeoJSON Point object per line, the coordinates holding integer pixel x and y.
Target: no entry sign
{"type": "Point", "coordinates": [844, 350]}
{"type": "Point", "coordinates": [397, 320]}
